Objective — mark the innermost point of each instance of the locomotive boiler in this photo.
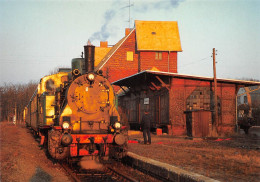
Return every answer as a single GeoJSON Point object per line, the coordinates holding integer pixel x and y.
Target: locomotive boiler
{"type": "Point", "coordinates": [75, 113]}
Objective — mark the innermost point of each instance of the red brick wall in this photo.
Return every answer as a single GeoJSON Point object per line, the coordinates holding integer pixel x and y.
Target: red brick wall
{"type": "Point", "coordinates": [118, 67]}
{"type": "Point", "coordinates": [180, 91]}
{"type": "Point", "coordinates": [228, 108]}
{"type": "Point", "coordinates": [148, 61]}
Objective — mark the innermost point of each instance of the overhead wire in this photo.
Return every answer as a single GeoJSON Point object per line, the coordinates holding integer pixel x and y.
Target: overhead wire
{"type": "Point", "coordinates": [194, 62]}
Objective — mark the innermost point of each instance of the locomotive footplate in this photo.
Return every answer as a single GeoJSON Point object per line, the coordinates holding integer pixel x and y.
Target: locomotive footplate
{"type": "Point", "coordinates": [84, 138]}
{"type": "Point", "coordinates": [92, 144]}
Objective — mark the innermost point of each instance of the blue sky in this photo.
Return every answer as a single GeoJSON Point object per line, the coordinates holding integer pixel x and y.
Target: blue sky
{"type": "Point", "coordinates": [38, 36]}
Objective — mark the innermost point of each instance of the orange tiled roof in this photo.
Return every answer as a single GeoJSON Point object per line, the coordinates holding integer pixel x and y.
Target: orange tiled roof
{"type": "Point", "coordinates": [157, 36]}
{"type": "Point", "coordinates": [100, 53]}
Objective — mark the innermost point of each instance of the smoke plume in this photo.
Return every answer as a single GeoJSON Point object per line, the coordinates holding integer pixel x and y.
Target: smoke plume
{"type": "Point", "coordinates": [158, 4]}
{"type": "Point", "coordinates": [104, 33]}
{"type": "Point", "coordinates": [107, 29]}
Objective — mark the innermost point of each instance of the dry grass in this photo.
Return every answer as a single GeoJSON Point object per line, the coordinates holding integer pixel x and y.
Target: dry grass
{"type": "Point", "coordinates": [237, 159]}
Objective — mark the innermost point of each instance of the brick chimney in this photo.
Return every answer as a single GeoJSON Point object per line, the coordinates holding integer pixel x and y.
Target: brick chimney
{"type": "Point", "coordinates": [103, 43]}
{"type": "Point", "coordinates": [127, 31]}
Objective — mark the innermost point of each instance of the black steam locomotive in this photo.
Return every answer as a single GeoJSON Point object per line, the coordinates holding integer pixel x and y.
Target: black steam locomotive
{"type": "Point", "coordinates": [74, 113]}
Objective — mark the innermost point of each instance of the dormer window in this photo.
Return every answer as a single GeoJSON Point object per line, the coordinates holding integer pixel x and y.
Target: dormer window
{"type": "Point", "coordinates": [158, 55]}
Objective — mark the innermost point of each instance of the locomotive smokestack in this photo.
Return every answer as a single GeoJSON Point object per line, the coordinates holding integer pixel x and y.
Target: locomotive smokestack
{"type": "Point", "coordinates": [89, 51]}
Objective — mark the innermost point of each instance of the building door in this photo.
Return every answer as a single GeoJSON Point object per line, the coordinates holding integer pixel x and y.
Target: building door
{"type": "Point", "coordinates": [189, 123]}
{"type": "Point", "coordinates": [157, 109]}
{"type": "Point", "coordinates": [162, 108]}
{"type": "Point", "coordinates": [197, 123]}
{"type": "Point", "coordinates": [201, 123]}
{"type": "Point", "coordinates": [138, 117]}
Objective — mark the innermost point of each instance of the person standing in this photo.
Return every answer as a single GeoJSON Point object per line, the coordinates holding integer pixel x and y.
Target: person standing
{"type": "Point", "coordinates": [146, 126]}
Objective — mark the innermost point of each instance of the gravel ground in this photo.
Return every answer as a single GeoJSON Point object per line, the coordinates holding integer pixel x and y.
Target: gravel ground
{"type": "Point", "coordinates": [22, 160]}
{"type": "Point", "coordinates": [225, 159]}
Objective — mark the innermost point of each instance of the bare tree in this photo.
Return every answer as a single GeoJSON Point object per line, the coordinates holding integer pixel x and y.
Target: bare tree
{"type": "Point", "coordinates": [14, 98]}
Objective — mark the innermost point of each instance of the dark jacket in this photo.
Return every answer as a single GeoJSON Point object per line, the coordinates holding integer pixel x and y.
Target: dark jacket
{"type": "Point", "coordinates": [146, 121]}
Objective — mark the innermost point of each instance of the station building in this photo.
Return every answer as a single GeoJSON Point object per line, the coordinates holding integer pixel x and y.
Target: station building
{"type": "Point", "coordinates": [143, 69]}
{"type": "Point", "coordinates": [181, 104]}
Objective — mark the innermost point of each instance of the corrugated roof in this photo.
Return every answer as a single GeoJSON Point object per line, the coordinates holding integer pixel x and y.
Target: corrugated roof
{"type": "Point", "coordinates": [157, 36]}
{"type": "Point", "coordinates": [140, 76]}
{"type": "Point", "coordinates": [100, 53]}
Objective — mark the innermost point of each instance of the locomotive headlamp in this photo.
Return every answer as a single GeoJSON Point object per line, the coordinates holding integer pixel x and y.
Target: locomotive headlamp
{"type": "Point", "coordinates": [117, 125]}
{"type": "Point", "coordinates": [65, 125]}
{"type": "Point", "coordinates": [76, 72]}
{"type": "Point", "coordinates": [91, 77]}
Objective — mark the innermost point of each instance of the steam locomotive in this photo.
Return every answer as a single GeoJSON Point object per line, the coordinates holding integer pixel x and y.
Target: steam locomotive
{"type": "Point", "coordinates": [74, 113]}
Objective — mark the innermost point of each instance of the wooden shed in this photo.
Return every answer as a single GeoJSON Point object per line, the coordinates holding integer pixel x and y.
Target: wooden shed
{"type": "Point", "coordinates": [180, 104]}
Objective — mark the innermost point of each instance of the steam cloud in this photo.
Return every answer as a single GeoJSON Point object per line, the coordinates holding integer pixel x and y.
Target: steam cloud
{"type": "Point", "coordinates": [141, 6]}
{"type": "Point", "coordinates": [88, 163]}
{"type": "Point", "coordinates": [158, 4]}
{"type": "Point", "coordinates": [104, 33]}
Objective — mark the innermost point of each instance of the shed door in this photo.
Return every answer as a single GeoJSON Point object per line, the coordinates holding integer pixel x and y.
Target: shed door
{"type": "Point", "coordinates": [189, 123]}
{"type": "Point", "coordinates": [162, 108]}
{"type": "Point", "coordinates": [132, 111]}
{"type": "Point", "coordinates": [201, 123]}
{"type": "Point", "coordinates": [164, 115]}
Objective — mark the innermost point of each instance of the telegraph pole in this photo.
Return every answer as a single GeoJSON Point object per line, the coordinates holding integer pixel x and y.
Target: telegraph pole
{"type": "Point", "coordinates": [215, 125]}
{"type": "Point", "coordinates": [15, 118]}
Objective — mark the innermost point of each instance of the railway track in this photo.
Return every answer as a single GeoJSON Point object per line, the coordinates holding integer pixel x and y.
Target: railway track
{"type": "Point", "coordinates": [107, 173]}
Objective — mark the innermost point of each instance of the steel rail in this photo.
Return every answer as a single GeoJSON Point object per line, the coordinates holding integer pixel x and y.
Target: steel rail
{"type": "Point", "coordinates": [77, 176]}
{"type": "Point", "coordinates": [122, 175]}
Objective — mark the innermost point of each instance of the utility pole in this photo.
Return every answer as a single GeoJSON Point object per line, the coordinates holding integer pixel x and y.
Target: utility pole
{"type": "Point", "coordinates": [215, 125]}
{"type": "Point", "coordinates": [15, 118]}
